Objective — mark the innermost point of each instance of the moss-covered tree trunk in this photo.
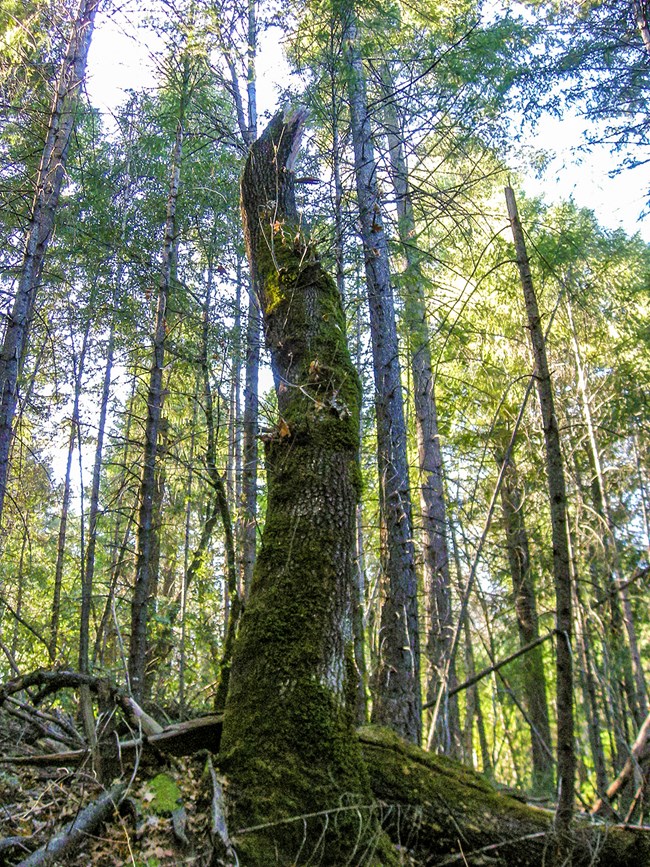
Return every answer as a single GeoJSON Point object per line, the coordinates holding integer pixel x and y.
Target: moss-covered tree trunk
{"type": "Point", "coordinates": [296, 782]}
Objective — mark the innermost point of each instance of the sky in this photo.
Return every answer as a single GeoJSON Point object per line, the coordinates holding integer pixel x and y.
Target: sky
{"type": "Point", "coordinates": [121, 58]}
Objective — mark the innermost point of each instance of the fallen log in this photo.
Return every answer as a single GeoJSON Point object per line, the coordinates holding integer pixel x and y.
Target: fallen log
{"type": "Point", "coordinates": [445, 814]}
{"type": "Point", "coordinates": [180, 739]}
{"type": "Point", "coordinates": [74, 835]}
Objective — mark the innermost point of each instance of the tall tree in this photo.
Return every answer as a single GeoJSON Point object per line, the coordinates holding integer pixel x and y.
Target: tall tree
{"type": "Point", "coordinates": [398, 701]}
{"type": "Point", "coordinates": [147, 530]}
{"type": "Point", "coordinates": [288, 747]}
{"type": "Point", "coordinates": [566, 760]}
{"type": "Point", "coordinates": [446, 734]}
{"type": "Point", "coordinates": [48, 184]}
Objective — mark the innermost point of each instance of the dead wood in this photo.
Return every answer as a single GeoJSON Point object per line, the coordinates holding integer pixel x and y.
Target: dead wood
{"type": "Point", "coordinates": [639, 753]}
{"type": "Point", "coordinates": [51, 681]}
{"type": "Point", "coordinates": [180, 739]}
{"type": "Point", "coordinates": [74, 835]}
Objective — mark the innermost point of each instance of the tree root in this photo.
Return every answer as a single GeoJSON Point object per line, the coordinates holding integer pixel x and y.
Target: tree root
{"type": "Point", "coordinates": [443, 813]}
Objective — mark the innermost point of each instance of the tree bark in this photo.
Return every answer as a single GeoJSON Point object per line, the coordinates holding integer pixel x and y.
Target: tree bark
{"type": "Point", "coordinates": [461, 820]}
{"type": "Point", "coordinates": [146, 536]}
{"type": "Point", "coordinates": [397, 694]}
{"type": "Point", "coordinates": [289, 750]}
{"type": "Point", "coordinates": [534, 678]}
{"type": "Point", "coordinates": [49, 181]}
{"type": "Point", "coordinates": [566, 761]}
{"type": "Point", "coordinates": [440, 634]}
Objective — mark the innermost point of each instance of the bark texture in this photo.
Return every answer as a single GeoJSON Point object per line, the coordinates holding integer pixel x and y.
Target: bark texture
{"type": "Point", "coordinates": [296, 781]}
{"type": "Point", "coordinates": [566, 761]}
{"type": "Point", "coordinates": [398, 700]}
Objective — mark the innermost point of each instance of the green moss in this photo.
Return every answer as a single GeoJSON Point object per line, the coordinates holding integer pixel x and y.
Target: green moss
{"type": "Point", "coordinates": [442, 806]}
{"type": "Point", "coordinates": [297, 785]}
{"type": "Point", "coordinates": [166, 794]}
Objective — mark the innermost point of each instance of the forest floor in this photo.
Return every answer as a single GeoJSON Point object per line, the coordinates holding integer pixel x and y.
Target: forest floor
{"type": "Point", "coordinates": [171, 811]}
{"type": "Point", "coordinates": [163, 821]}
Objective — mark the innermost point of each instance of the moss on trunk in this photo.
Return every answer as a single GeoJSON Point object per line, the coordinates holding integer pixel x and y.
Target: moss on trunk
{"type": "Point", "coordinates": [297, 787]}
{"type": "Point", "coordinates": [442, 813]}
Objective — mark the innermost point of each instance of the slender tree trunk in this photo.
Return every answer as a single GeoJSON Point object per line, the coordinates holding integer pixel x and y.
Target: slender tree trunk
{"type": "Point", "coordinates": [590, 698]}
{"type": "Point", "coordinates": [87, 589]}
{"type": "Point", "coordinates": [248, 130]}
{"type": "Point", "coordinates": [121, 534]}
{"type": "Point", "coordinates": [19, 595]}
{"type": "Point", "coordinates": [146, 529]}
{"type": "Point", "coordinates": [359, 599]}
{"type": "Point", "coordinates": [639, 701]}
{"type": "Point", "coordinates": [397, 697]}
{"type": "Point", "coordinates": [534, 678]}
{"type": "Point", "coordinates": [249, 442]}
{"type": "Point", "coordinates": [566, 761]}
{"type": "Point", "coordinates": [432, 494]}
{"type": "Point", "coordinates": [219, 488]}
{"type": "Point", "coordinates": [234, 471]}
{"type": "Point", "coordinates": [49, 181]}
{"type": "Point", "coordinates": [614, 675]}
{"type": "Point", "coordinates": [183, 593]}
{"type": "Point", "coordinates": [60, 548]}
{"type": "Point", "coordinates": [67, 491]}
{"type": "Point", "coordinates": [289, 748]}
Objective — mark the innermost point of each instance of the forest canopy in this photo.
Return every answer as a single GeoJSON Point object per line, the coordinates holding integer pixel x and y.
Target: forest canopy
{"type": "Point", "coordinates": [324, 447]}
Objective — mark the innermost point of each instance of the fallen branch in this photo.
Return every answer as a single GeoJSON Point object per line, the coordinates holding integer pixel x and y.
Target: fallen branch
{"type": "Point", "coordinates": [638, 754]}
{"type": "Point", "coordinates": [74, 835]}
{"type": "Point", "coordinates": [497, 665]}
{"type": "Point", "coordinates": [53, 681]}
{"type": "Point", "coordinates": [180, 739]}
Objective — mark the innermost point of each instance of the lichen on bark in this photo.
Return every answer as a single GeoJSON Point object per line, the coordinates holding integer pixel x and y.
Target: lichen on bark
{"type": "Point", "coordinates": [296, 782]}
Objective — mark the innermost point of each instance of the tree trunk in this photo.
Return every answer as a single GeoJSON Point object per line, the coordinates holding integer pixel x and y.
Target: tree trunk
{"type": "Point", "coordinates": [534, 678]}
{"type": "Point", "coordinates": [444, 814]}
{"type": "Point", "coordinates": [447, 734]}
{"type": "Point", "coordinates": [566, 761]}
{"type": "Point", "coordinates": [78, 367]}
{"type": "Point", "coordinates": [247, 123]}
{"type": "Point", "coordinates": [146, 530]}
{"type": "Point", "coordinates": [89, 573]}
{"type": "Point", "coordinates": [632, 657]}
{"type": "Point", "coordinates": [296, 784]}
{"type": "Point", "coordinates": [49, 181]}
{"type": "Point", "coordinates": [397, 695]}
{"type": "Point", "coordinates": [359, 599]}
